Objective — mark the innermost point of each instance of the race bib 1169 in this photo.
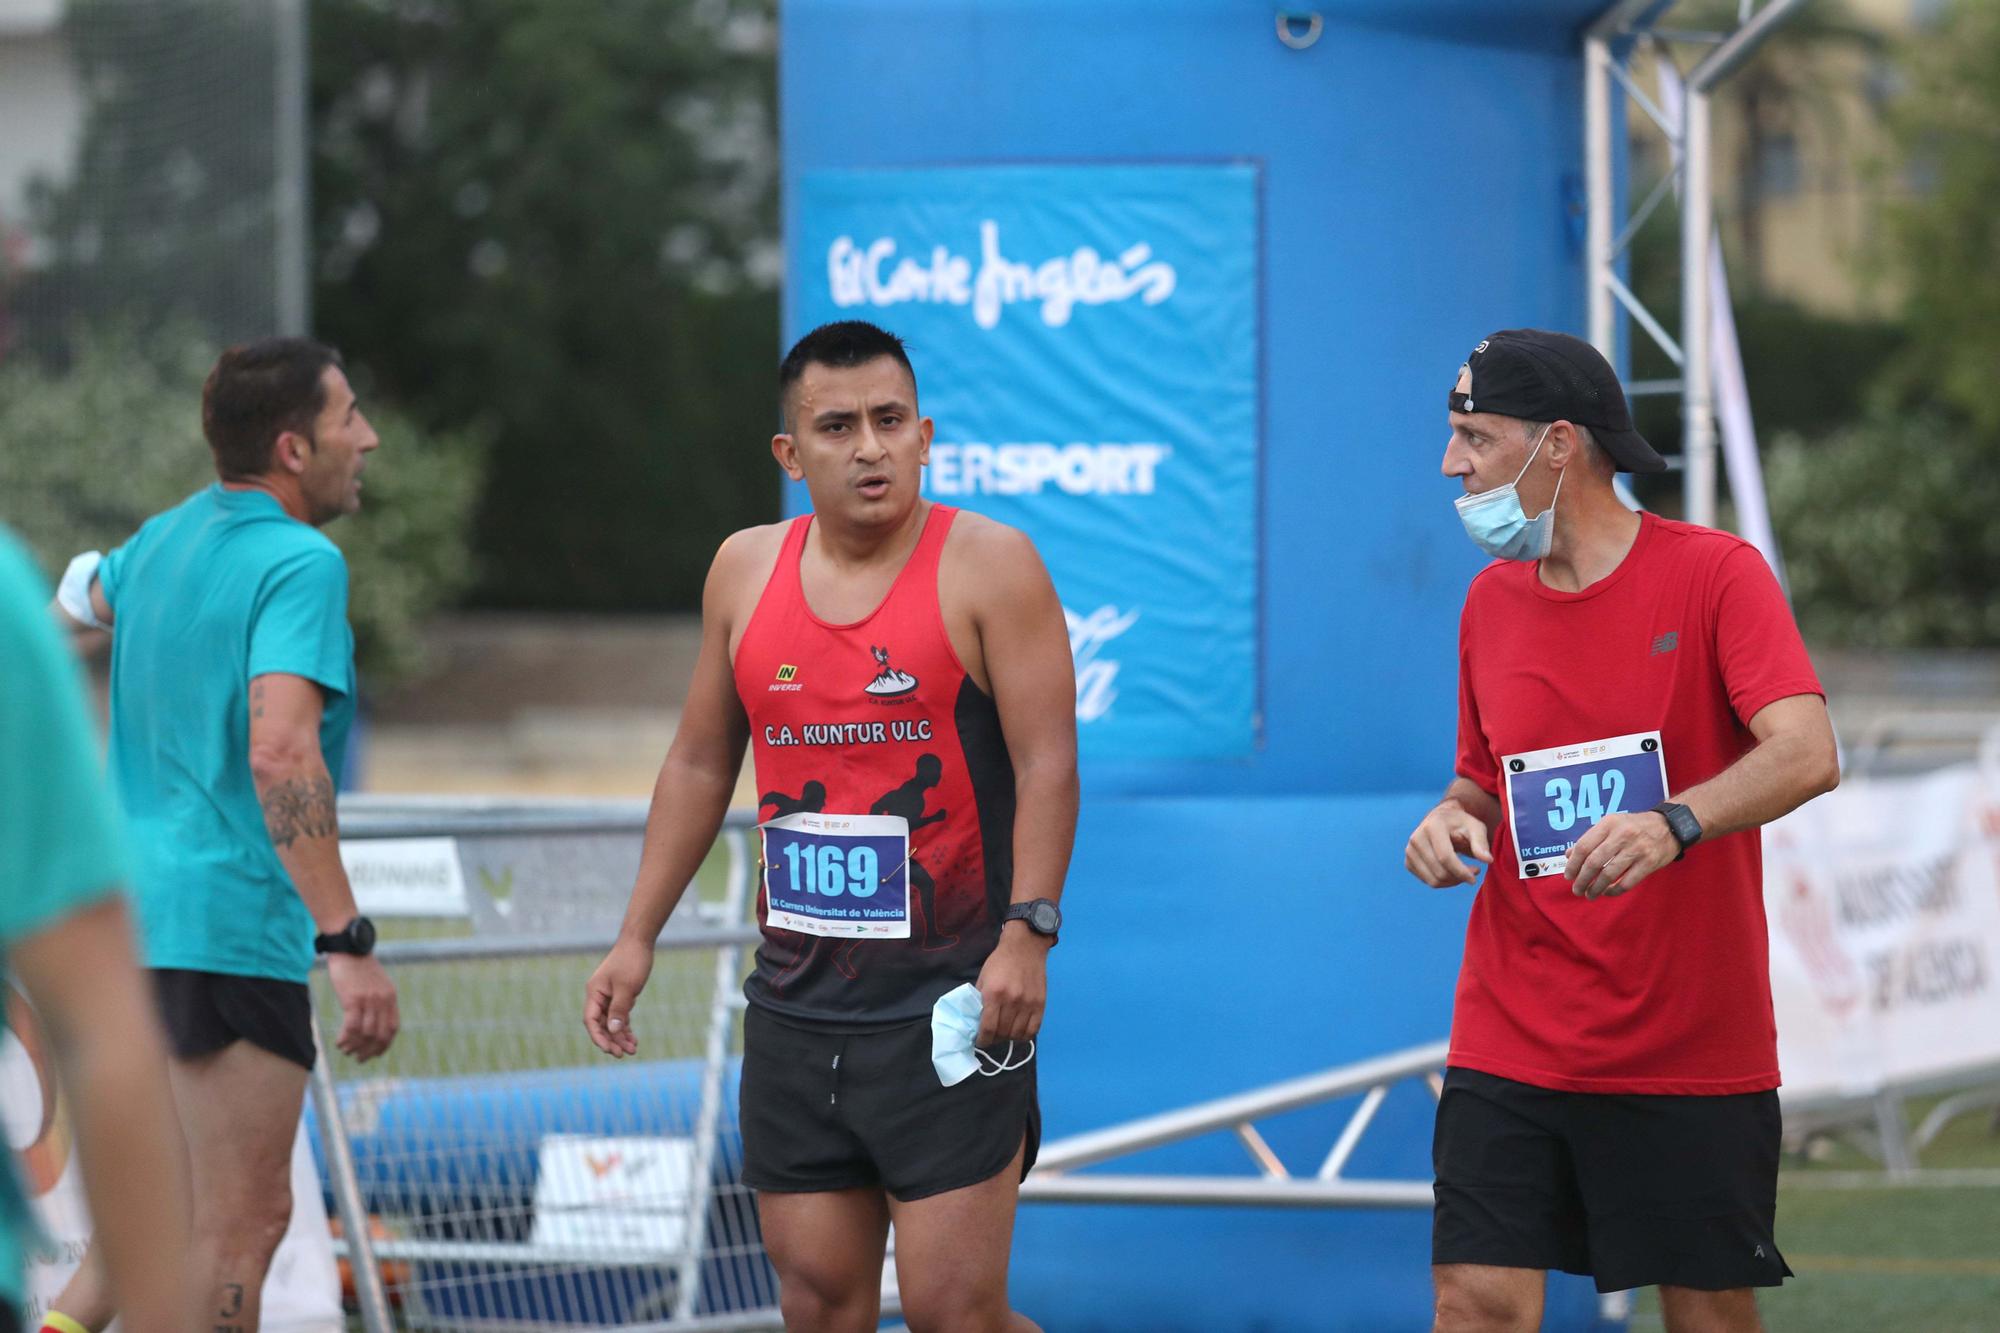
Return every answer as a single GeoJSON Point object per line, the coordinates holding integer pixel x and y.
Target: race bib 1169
{"type": "Point", "coordinates": [838, 875]}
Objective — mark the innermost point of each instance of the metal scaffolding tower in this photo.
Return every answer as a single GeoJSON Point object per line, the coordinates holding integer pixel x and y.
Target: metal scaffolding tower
{"type": "Point", "coordinates": [1609, 45]}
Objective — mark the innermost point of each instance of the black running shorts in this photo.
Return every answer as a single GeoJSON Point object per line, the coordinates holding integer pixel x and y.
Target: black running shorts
{"type": "Point", "coordinates": [1635, 1191]}
{"type": "Point", "coordinates": [206, 1011]}
{"type": "Point", "coordinates": [829, 1109]}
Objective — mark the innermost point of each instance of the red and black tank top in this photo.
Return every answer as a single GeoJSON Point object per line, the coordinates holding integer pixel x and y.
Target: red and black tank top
{"type": "Point", "coordinates": [879, 718]}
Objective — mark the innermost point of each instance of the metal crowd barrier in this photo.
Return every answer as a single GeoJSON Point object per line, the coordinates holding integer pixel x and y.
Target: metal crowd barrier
{"type": "Point", "coordinates": [1054, 1179]}
{"type": "Point", "coordinates": [1921, 740]}
{"type": "Point", "coordinates": [494, 1170]}
{"type": "Point", "coordinates": [446, 1158]}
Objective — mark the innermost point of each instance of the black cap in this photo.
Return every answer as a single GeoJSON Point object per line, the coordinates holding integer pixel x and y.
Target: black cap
{"type": "Point", "coordinates": [1537, 375]}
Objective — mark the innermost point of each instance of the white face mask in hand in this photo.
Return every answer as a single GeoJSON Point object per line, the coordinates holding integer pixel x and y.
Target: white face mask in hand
{"type": "Point", "coordinates": [954, 1027]}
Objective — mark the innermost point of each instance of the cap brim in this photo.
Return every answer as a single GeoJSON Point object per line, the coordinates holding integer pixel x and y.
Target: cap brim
{"type": "Point", "coordinates": [1629, 450]}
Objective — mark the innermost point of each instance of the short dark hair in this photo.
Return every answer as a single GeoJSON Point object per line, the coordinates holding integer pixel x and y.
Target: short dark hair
{"type": "Point", "coordinates": [843, 343]}
{"type": "Point", "coordinates": [257, 391]}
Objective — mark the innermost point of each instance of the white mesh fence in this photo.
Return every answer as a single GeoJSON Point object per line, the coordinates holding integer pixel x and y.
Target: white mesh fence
{"type": "Point", "coordinates": [514, 1176]}
{"type": "Point", "coordinates": [152, 171]}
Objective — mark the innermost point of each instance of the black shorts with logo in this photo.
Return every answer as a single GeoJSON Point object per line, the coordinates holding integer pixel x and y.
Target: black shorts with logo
{"type": "Point", "coordinates": [826, 1108]}
{"type": "Point", "coordinates": [1635, 1191]}
{"type": "Point", "coordinates": [206, 1011]}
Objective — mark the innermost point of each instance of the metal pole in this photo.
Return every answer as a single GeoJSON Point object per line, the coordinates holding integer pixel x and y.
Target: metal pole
{"type": "Point", "coordinates": [1897, 1157]}
{"type": "Point", "coordinates": [1720, 63]}
{"type": "Point", "coordinates": [1617, 21]}
{"type": "Point", "coordinates": [1597, 169]}
{"type": "Point", "coordinates": [368, 1290]}
{"type": "Point", "coordinates": [291, 191]}
{"type": "Point", "coordinates": [1227, 1191]}
{"type": "Point", "coordinates": [1153, 1131]}
{"type": "Point", "coordinates": [1697, 372]}
{"type": "Point", "coordinates": [1697, 229]}
{"type": "Point", "coordinates": [708, 1120]}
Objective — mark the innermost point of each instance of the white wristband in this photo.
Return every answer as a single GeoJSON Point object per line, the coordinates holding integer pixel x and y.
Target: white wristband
{"type": "Point", "coordinates": [73, 593]}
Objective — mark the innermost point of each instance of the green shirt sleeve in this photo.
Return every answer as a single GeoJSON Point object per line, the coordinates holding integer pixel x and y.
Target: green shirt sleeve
{"type": "Point", "coordinates": [110, 571]}
{"type": "Point", "coordinates": [300, 626]}
{"type": "Point", "coordinates": [61, 844]}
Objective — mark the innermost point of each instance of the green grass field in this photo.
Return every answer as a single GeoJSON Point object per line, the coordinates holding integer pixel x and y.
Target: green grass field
{"type": "Point", "coordinates": [1874, 1256]}
{"type": "Point", "coordinates": [488, 1016]}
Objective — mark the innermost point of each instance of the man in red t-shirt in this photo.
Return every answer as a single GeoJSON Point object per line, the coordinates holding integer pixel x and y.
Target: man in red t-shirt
{"type": "Point", "coordinates": [1634, 701]}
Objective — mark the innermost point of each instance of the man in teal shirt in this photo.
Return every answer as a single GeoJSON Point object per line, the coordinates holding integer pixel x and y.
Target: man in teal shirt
{"type": "Point", "coordinates": [232, 690]}
{"type": "Point", "coordinates": [65, 935]}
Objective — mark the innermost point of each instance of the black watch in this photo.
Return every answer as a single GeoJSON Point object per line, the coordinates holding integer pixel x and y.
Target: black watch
{"type": "Point", "coordinates": [1681, 823]}
{"type": "Point", "coordinates": [1041, 914]}
{"type": "Point", "coordinates": [356, 937]}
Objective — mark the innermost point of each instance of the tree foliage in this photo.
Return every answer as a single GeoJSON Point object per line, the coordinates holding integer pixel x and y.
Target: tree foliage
{"type": "Point", "coordinates": [1889, 525]}
{"type": "Point", "coordinates": [1946, 234]}
{"type": "Point", "coordinates": [98, 447]}
{"type": "Point", "coordinates": [157, 247]}
{"type": "Point", "coordinates": [1888, 531]}
{"type": "Point", "coordinates": [558, 220]}
{"type": "Point", "coordinates": [169, 212]}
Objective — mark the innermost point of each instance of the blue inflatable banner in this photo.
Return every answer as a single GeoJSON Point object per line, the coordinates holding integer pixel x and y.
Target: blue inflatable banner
{"type": "Point", "coordinates": [1086, 339]}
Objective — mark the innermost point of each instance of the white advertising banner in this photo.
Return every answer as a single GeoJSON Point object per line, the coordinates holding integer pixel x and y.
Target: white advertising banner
{"type": "Point", "coordinates": [405, 876]}
{"type": "Point", "coordinates": [302, 1290]}
{"type": "Point", "coordinates": [601, 1193]}
{"type": "Point", "coordinates": [1884, 906]}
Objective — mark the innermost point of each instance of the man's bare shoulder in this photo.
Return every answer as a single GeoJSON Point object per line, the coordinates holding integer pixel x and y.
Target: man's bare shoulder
{"type": "Point", "coordinates": [737, 575]}
{"type": "Point", "coordinates": [989, 563]}
{"type": "Point", "coordinates": [747, 555]}
{"type": "Point", "coordinates": [977, 538]}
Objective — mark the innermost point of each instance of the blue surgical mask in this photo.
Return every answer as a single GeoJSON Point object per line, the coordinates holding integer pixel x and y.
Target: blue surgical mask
{"type": "Point", "coordinates": [1500, 527]}
{"type": "Point", "coordinates": [954, 1027]}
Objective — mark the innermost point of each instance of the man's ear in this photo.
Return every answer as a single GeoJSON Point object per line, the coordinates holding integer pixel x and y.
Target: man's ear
{"type": "Point", "coordinates": [1563, 445]}
{"type": "Point", "coordinates": [292, 452]}
{"type": "Point", "coordinates": [786, 451]}
{"type": "Point", "coordinates": [925, 428]}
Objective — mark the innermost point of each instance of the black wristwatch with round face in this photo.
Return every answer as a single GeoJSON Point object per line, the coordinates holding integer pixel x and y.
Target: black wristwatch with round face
{"type": "Point", "coordinates": [1041, 914]}
{"type": "Point", "coordinates": [357, 937]}
{"type": "Point", "coordinates": [1681, 823]}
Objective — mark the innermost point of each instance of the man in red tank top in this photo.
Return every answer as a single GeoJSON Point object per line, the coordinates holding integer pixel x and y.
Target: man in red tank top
{"type": "Point", "coordinates": [902, 672]}
{"type": "Point", "coordinates": [1634, 701]}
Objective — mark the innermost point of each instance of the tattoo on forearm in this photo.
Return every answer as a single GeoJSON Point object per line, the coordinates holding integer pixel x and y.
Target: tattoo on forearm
{"type": "Point", "coordinates": [232, 1305]}
{"type": "Point", "coordinates": [300, 808]}
{"type": "Point", "coordinates": [256, 698]}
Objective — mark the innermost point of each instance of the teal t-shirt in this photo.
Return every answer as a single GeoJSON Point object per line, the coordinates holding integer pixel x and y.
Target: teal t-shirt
{"type": "Point", "coordinates": [222, 588]}
{"type": "Point", "coordinates": [61, 848]}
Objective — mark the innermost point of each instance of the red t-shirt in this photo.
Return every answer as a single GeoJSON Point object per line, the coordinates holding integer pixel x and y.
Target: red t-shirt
{"type": "Point", "coordinates": [1665, 989]}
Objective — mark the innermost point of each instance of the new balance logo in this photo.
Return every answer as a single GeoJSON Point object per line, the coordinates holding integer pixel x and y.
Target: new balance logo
{"type": "Point", "coordinates": [1667, 642]}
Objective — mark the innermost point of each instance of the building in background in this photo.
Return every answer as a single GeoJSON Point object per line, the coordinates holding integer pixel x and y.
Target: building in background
{"type": "Point", "coordinates": [42, 110]}
{"type": "Point", "coordinates": [1804, 163]}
